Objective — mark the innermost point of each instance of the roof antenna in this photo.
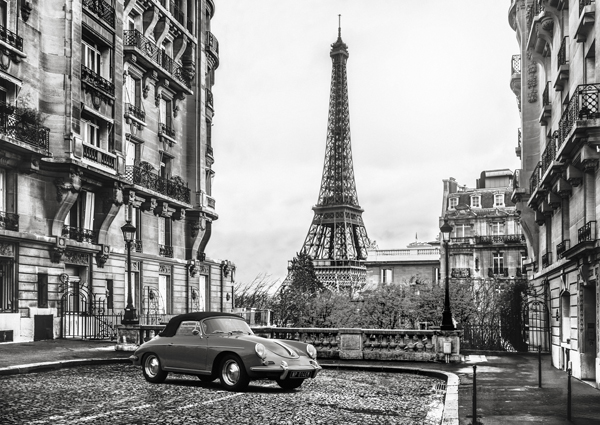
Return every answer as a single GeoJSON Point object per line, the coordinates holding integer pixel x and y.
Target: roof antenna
{"type": "Point", "coordinates": [340, 26]}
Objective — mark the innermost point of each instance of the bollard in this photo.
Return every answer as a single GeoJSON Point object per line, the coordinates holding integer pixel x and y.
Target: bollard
{"type": "Point", "coordinates": [569, 394]}
{"type": "Point", "coordinates": [474, 394]}
{"type": "Point", "coordinates": [539, 366]}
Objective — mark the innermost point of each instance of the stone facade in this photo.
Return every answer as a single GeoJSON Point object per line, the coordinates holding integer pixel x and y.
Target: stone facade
{"type": "Point", "coordinates": [557, 187]}
{"type": "Point", "coordinates": [105, 115]}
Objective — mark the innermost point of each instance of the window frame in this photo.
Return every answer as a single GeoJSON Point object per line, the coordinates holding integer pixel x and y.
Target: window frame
{"type": "Point", "coordinates": [452, 202]}
{"type": "Point", "coordinates": [476, 198]}
{"type": "Point", "coordinates": [496, 196]}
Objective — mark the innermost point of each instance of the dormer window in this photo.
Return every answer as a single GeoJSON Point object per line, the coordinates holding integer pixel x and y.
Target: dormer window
{"type": "Point", "coordinates": [452, 203]}
{"type": "Point", "coordinates": [499, 200]}
{"type": "Point", "coordinates": [475, 201]}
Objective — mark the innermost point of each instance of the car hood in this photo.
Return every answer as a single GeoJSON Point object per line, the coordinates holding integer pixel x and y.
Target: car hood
{"type": "Point", "coordinates": [275, 346]}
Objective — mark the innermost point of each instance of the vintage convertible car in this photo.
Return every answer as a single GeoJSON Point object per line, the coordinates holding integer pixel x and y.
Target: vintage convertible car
{"type": "Point", "coordinates": [214, 345]}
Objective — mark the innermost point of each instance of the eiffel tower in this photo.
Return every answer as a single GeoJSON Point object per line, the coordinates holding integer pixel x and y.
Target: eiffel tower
{"type": "Point", "coordinates": [337, 239]}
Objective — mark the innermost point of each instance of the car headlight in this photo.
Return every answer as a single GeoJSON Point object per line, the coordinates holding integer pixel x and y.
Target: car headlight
{"type": "Point", "coordinates": [261, 351]}
{"type": "Point", "coordinates": [312, 351]}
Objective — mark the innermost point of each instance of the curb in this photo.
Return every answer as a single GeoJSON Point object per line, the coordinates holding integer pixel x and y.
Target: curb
{"type": "Point", "coordinates": [49, 366]}
{"type": "Point", "coordinates": [450, 415]}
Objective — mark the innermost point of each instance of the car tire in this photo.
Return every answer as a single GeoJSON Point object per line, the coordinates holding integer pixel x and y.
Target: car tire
{"type": "Point", "coordinates": [232, 373]}
{"type": "Point", "coordinates": [289, 384]}
{"type": "Point", "coordinates": [206, 378]}
{"type": "Point", "coordinates": [152, 369]}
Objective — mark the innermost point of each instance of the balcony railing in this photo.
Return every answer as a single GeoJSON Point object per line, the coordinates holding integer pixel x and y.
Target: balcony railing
{"type": "Point", "coordinates": [548, 156]}
{"type": "Point", "coordinates": [546, 95]}
{"type": "Point", "coordinates": [80, 234]}
{"type": "Point", "coordinates": [561, 57]}
{"type": "Point", "coordinates": [11, 38]}
{"type": "Point", "coordinates": [209, 98]}
{"type": "Point", "coordinates": [546, 259]}
{"type": "Point", "coordinates": [136, 245]}
{"type": "Point", "coordinates": [534, 180]}
{"type": "Point", "coordinates": [488, 239]}
{"type": "Point", "coordinates": [460, 273]}
{"type": "Point", "coordinates": [165, 251]}
{"type": "Point", "coordinates": [461, 240]}
{"type": "Point", "coordinates": [166, 130]}
{"type": "Point", "coordinates": [101, 9]}
{"type": "Point", "coordinates": [584, 3]}
{"type": "Point", "coordinates": [515, 64]}
{"type": "Point", "coordinates": [134, 38]}
{"type": "Point", "coordinates": [149, 180]}
{"type": "Point", "coordinates": [135, 111]}
{"type": "Point", "coordinates": [497, 271]}
{"type": "Point", "coordinates": [90, 77]}
{"type": "Point", "coordinates": [562, 247]}
{"type": "Point", "coordinates": [212, 48]}
{"type": "Point", "coordinates": [16, 126]}
{"type": "Point", "coordinates": [587, 232]}
{"type": "Point", "coordinates": [584, 105]}
{"type": "Point", "coordinates": [9, 221]}
{"type": "Point", "coordinates": [98, 155]}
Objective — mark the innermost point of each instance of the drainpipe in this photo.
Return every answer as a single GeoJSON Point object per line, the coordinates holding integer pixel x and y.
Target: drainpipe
{"type": "Point", "coordinates": [222, 282]}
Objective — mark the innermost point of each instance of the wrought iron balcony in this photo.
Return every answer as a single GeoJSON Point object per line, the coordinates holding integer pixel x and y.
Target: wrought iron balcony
{"type": "Point", "coordinates": [546, 259]}
{"type": "Point", "coordinates": [497, 271]}
{"type": "Point", "coordinates": [11, 38]}
{"type": "Point", "coordinates": [548, 156]}
{"type": "Point", "coordinates": [165, 251]}
{"type": "Point", "coordinates": [80, 234]}
{"type": "Point", "coordinates": [460, 273]}
{"type": "Point", "coordinates": [19, 128]}
{"type": "Point", "coordinates": [9, 221]}
{"type": "Point", "coordinates": [584, 105]}
{"type": "Point", "coordinates": [587, 232]}
{"type": "Point", "coordinates": [534, 180]}
{"type": "Point", "coordinates": [562, 247]}
{"type": "Point", "coordinates": [155, 55]}
{"type": "Point", "coordinates": [96, 81]}
{"type": "Point", "coordinates": [561, 57]}
{"type": "Point", "coordinates": [209, 98]}
{"type": "Point", "coordinates": [100, 156]}
{"type": "Point", "coordinates": [135, 111]}
{"type": "Point", "coordinates": [136, 245]}
{"type": "Point", "coordinates": [146, 178]}
{"type": "Point", "coordinates": [587, 18]}
{"type": "Point", "coordinates": [461, 240]}
{"type": "Point", "coordinates": [489, 239]}
{"type": "Point", "coordinates": [212, 49]}
{"type": "Point", "coordinates": [102, 10]}
{"type": "Point", "coordinates": [515, 64]}
{"type": "Point", "coordinates": [166, 130]}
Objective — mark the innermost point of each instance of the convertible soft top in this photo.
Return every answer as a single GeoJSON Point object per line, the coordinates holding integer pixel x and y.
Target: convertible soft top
{"type": "Point", "coordinates": [174, 323]}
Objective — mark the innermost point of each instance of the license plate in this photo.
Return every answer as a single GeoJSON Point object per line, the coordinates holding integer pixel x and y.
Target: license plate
{"type": "Point", "coordinates": [301, 374]}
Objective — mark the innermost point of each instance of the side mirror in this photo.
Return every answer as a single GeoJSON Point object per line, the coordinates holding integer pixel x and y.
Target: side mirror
{"type": "Point", "coordinates": [195, 332]}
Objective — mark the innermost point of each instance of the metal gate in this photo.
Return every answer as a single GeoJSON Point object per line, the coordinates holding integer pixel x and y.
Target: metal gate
{"type": "Point", "coordinates": [537, 318]}
{"type": "Point", "coordinates": [84, 314]}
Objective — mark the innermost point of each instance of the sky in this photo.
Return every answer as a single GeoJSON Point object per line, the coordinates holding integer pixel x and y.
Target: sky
{"type": "Point", "coordinates": [429, 99]}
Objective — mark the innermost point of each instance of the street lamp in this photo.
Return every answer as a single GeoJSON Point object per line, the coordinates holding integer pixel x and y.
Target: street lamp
{"type": "Point", "coordinates": [447, 324]}
{"type": "Point", "coordinates": [130, 317]}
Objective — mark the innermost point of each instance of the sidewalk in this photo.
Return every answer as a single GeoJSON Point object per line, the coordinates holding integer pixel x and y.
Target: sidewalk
{"type": "Point", "coordinates": [507, 383]}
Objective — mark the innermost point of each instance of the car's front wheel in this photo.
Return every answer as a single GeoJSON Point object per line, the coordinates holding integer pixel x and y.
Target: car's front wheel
{"type": "Point", "coordinates": [233, 375]}
{"type": "Point", "coordinates": [290, 384]}
{"type": "Point", "coordinates": [152, 369]}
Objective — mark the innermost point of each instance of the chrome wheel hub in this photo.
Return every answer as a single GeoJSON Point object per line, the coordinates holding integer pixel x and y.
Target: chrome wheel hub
{"type": "Point", "coordinates": [231, 372]}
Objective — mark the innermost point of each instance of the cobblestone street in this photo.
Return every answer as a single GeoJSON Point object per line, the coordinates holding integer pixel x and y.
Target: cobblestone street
{"type": "Point", "coordinates": [118, 394]}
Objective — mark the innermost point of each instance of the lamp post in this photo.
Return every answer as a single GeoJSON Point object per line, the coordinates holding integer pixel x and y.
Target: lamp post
{"type": "Point", "coordinates": [130, 317]}
{"type": "Point", "coordinates": [447, 324]}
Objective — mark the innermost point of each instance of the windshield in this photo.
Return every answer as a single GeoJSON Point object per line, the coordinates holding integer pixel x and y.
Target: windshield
{"type": "Point", "coordinates": [225, 325]}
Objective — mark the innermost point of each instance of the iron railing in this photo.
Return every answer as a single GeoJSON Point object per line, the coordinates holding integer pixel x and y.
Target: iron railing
{"type": "Point", "coordinates": [534, 180]}
{"type": "Point", "coordinates": [548, 156]}
{"type": "Point", "coordinates": [101, 9]}
{"type": "Point", "coordinates": [90, 325]}
{"type": "Point", "coordinates": [546, 94]}
{"type": "Point", "coordinates": [561, 57]}
{"type": "Point", "coordinates": [497, 271]}
{"type": "Point", "coordinates": [136, 244]}
{"type": "Point", "coordinates": [152, 181]}
{"type": "Point", "coordinates": [546, 259]}
{"type": "Point", "coordinates": [515, 64]}
{"type": "Point", "coordinates": [209, 98]}
{"type": "Point", "coordinates": [212, 46]}
{"type": "Point", "coordinates": [135, 111]}
{"type": "Point", "coordinates": [167, 130]}
{"type": "Point", "coordinates": [90, 77]}
{"type": "Point", "coordinates": [488, 239]}
{"type": "Point", "coordinates": [80, 234]}
{"type": "Point", "coordinates": [562, 247]}
{"type": "Point", "coordinates": [165, 251]}
{"type": "Point", "coordinates": [460, 273]}
{"type": "Point", "coordinates": [100, 156]}
{"type": "Point", "coordinates": [584, 105]}
{"type": "Point", "coordinates": [11, 38]}
{"type": "Point", "coordinates": [9, 221]}
{"type": "Point", "coordinates": [587, 232]}
{"type": "Point", "coordinates": [16, 126]}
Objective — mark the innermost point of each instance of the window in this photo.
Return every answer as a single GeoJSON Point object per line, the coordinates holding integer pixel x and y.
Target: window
{"type": "Point", "coordinates": [499, 200]}
{"type": "Point", "coordinates": [42, 295]}
{"type": "Point", "coordinates": [164, 231]}
{"type": "Point", "coordinates": [133, 91]}
{"type": "Point", "coordinates": [79, 222]}
{"type": "Point", "coordinates": [91, 57]}
{"type": "Point", "coordinates": [7, 286]}
{"type": "Point", "coordinates": [386, 275]}
{"type": "Point", "coordinates": [496, 229]}
{"type": "Point", "coordinates": [3, 13]}
{"type": "Point", "coordinates": [475, 201]}
{"type": "Point", "coordinates": [498, 262]}
{"type": "Point", "coordinates": [166, 112]}
{"type": "Point", "coordinates": [453, 202]}
{"type": "Point", "coordinates": [90, 131]}
{"type": "Point", "coordinates": [462, 230]}
{"type": "Point", "coordinates": [164, 289]}
{"type": "Point", "coordinates": [2, 190]}
{"type": "Point", "coordinates": [187, 328]}
{"type": "Point", "coordinates": [109, 294]}
{"type": "Point", "coordinates": [165, 166]}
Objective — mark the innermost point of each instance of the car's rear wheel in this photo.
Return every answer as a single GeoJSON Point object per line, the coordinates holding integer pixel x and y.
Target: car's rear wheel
{"type": "Point", "coordinates": [289, 384]}
{"type": "Point", "coordinates": [152, 369]}
{"type": "Point", "coordinates": [232, 373]}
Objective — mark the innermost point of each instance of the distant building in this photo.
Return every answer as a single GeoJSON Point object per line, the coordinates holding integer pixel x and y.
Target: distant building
{"type": "Point", "coordinates": [417, 264]}
{"type": "Point", "coordinates": [105, 116]}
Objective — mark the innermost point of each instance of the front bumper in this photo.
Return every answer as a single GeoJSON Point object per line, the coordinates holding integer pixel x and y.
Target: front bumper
{"type": "Point", "coordinates": [284, 369]}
